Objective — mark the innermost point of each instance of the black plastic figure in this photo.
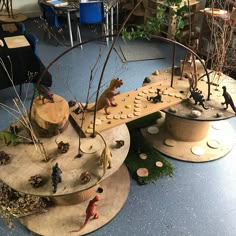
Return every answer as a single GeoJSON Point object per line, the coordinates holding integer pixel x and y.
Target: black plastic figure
{"type": "Point", "coordinates": [228, 100]}
{"type": "Point", "coordinates": [56, 177]}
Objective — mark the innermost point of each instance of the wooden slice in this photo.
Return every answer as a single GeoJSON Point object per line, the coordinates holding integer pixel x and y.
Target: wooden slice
{"type": "Point", "coordinates": [91, 145]}
{"type": "Point", "coordinates": [142, 172]}
{"type": "Point", "coordinates": [143, 156]}
{"type": "Point", "coordinates": [213, 143]}
{"type": "Point", "coordinates": [159, 164]}
{"type": "Point", "coordinates": [170, 142]}
{"type": "Point", "coordinates": [152, 130]}
{"type": "Point", "coordinates": [198, 150]}
{"type": "Point", "coordinates": [51, 116]}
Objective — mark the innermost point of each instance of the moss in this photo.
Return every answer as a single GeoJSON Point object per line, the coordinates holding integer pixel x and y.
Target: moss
{"type": "Point", "coordinates": [140, 145]}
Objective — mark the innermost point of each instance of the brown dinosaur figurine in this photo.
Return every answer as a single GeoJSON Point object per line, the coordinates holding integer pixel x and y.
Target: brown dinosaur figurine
{"type": "Point", "coordinates": [90, 212]}
{"type": "Point", "coordinates": [107, 97]}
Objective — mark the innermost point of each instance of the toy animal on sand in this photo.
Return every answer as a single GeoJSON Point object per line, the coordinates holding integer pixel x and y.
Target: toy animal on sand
{"type": "Point", "coordinates": [107, 97]}
{"type": "Point", "coordinates": [228, 100]}
{"type": "Point", "coordinates": [45, 93]}
{"type": "Point", "coordinates": [157, 98]}
{"type": "Point", "coordinates": [90, 212]}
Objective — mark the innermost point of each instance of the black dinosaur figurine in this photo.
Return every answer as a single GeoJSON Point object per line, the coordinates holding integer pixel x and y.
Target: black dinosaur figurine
{"type": "Point", "coordinates": [228, 100]}
{"type": "Point", "coordinates": [157, 98]}
{"type": "Point", "coordinates": [56, 177]}
{"type": "Point", "coordinates": [45, 93]}
{"type": "Point", "coordinates": [197, 96]}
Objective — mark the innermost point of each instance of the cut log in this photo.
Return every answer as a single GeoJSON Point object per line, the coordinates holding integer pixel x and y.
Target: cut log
{"type": "Point", "coordinates": [50, 117]}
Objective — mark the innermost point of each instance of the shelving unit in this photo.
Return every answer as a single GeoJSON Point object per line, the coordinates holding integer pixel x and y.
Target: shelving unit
{"type": "Point", "coordinates": [170, 28]}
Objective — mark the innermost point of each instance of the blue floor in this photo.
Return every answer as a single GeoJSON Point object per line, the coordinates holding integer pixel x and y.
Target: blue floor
{"type": "Point", "coordinates": [198, 200]}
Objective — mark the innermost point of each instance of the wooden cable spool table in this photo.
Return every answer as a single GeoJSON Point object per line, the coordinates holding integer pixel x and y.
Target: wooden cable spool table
{"type": "Point", "coordinates": [72, 196]}
{"type": "Point", "coordinates": [199, 136]}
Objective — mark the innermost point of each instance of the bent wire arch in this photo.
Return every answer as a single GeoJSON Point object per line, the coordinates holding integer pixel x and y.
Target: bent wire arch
{"type": "Point", "coordinates": [116, 36]}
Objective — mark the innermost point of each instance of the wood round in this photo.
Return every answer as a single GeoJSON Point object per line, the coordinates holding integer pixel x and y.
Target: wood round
{"type": "Point", "coordinates": [60, 220]}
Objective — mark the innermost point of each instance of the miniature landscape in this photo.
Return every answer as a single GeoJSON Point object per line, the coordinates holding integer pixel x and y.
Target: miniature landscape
{"type": "Point", "coordinates": [67, 157]}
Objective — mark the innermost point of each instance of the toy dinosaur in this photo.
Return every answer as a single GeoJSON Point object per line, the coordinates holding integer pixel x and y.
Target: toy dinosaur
{"type": "Point", "coordinates": [228, 100]}
{"type": "Point", "coordinates": [90, 212]}
{"type": "Point", "coordinates": [157, 98]}
{"type": "Point", "coordinates": [105, 157]}
{"type": "Point", "coordinates": [56, 177]}
{"type": "Point", "coordinates": [107, 97]}
{"type": "Point", "coordinates": [45, 93]}
{"type": "Point", "coordinates": [120, 143]}
{"type": "Point", "coordinates": [197, 96]}
{"type": "Point", "coordinates": [8, 138]}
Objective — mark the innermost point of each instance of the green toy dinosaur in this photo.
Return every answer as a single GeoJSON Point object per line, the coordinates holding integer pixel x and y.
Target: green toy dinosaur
{"type": "Point", "coordinates": [8, 138]}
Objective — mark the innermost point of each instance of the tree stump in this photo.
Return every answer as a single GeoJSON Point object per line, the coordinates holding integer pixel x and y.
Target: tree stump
{"type": "Point", "coordinates": [50, 118]}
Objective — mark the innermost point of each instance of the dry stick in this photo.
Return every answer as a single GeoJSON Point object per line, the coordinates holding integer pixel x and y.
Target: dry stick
{"type": "Point", "coordinates": [87, 98]}
{"type": "Point", "coordinates": [25, 119]}
{"type": "Point", "coordinates": [220, 38]}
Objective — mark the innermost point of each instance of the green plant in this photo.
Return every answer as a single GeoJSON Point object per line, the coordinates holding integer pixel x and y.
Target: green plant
{"type": "Point", "coordinates": [156, 23]}
{"type": "Point", "coordinates": [145, 30]}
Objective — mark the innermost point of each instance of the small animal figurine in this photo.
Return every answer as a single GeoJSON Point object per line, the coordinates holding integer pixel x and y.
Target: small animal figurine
{"type": "Point", "coordinates": [197, 96]}
{"type": "Point", "coordinates": [107, 97]}
{"type": "Point", "coordinates": [105, 157]}
{"type": "Point", "coordinates": [120, 143]}
{"type": "Point", "coordinates": [90, 212]}
{"type": "Point", "coordinates": [45, 93]}
{"type": "Point", "coordinates": [8, 138]}
{"type": "Point", "coordinates": [228, 100]}
{"type": "Point", "coordinates": [56, 177]}
{"type": "Point", "coordinates": [157, 98]}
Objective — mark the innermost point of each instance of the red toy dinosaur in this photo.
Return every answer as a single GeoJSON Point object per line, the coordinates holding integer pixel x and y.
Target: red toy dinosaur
{"type": "Point", "coordinates": [90, 212]}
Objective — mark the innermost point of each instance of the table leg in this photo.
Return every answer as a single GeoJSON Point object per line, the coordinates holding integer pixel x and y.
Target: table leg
{"type": "Point", "coordinates": [117, 16]}
{"type": "Point", "coordinates": [107, 27]}
{"type": "Point", "coordinates": [112, 22]}
{"type": "Point", "coordinates": [70, 29]}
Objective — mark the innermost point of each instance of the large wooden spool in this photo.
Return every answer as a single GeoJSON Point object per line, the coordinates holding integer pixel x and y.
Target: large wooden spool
{"type": "Point", "coordinates": [186, 130]}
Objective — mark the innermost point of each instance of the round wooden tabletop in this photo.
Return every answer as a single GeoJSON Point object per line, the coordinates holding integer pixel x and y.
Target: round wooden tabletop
{"type": "Point", "coordinates": [27, 161]}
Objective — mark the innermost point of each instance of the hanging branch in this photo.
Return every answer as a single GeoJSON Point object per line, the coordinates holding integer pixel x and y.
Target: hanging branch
{"type": "Point", "coordinates": [87, 98]}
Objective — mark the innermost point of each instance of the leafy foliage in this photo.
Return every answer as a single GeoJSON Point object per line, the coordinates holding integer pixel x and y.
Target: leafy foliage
{"type": "Point", "coordinates": [145, 30]}
{"type": "Point", "coordinates": [155, 24]}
